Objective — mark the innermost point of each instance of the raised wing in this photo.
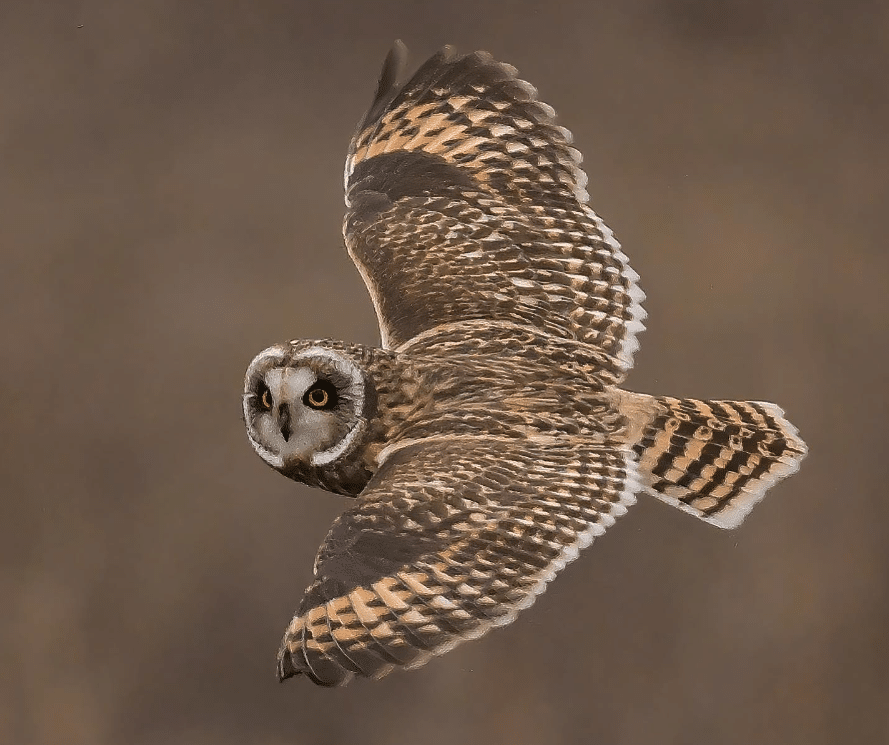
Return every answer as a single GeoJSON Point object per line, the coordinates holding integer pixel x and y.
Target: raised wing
{"type": "Point", "coordinates": [449, 539]}
{"type": "Point", "coordinates": [466, 201]}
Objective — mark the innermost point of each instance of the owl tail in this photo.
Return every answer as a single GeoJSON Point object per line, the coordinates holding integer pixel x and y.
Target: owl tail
{"type": "Point", "coordinates": [712, 459]}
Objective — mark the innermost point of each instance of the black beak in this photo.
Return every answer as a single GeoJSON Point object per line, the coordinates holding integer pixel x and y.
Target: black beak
{"type": "Point", "coordinates": [284, 421]}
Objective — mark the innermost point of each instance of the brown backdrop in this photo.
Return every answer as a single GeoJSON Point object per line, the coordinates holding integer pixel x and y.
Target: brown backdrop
{"type": "Point", "coordinates": [170, 203]}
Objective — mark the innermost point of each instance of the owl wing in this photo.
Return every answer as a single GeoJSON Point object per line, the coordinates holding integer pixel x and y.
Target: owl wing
{"type": "Point", "coordinates": [449, 539]}
{"type": "Point", "coordinates": [466, 203]}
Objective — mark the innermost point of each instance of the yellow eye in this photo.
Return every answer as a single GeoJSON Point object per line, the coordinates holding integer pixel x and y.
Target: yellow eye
{"type": "Point", "coordinates": [318, 397]}
{"type": "Point", "coordinates": [322, 395]}
{"type": "Point", "coordinates": [266, 399]}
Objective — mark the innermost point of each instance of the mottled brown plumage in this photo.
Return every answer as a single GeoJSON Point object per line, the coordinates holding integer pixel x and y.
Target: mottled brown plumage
{"type": "Point", "coordinates": [486, 440]}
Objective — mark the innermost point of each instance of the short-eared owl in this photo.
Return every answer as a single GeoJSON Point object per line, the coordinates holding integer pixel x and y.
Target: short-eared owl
{"type": "Point", "coordinates": [487, 440]}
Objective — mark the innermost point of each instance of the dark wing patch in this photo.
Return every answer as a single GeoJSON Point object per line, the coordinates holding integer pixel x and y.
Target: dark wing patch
{"type": "Point", "coordinates": [449, 540]}
{"type": "Point", "coordinates": [467, 201]}
{"type": "Point", "coordinates": [399, 175]}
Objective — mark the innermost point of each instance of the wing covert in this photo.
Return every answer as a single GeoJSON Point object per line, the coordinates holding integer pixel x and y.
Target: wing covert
{"type": "Point", "coordinates": [467, 201]}
{"type": "Point", "coordinates": [449, 540]}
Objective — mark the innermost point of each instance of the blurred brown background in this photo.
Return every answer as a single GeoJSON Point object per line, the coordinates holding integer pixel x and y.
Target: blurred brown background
{"type": "Point", "coordinates": [170, 204]}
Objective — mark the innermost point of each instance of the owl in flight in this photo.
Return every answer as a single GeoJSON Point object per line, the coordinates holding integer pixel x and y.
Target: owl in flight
{"type": "Point", "coordinates": [487, 439]}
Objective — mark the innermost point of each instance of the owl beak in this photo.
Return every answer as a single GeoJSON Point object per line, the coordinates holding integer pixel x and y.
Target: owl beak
{"type": "Point", "coordinates": [284, 422]}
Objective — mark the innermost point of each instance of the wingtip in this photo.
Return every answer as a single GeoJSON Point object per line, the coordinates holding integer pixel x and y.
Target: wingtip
{"type": "Point", "coordinates": [285, 668]}
{"type": "Point", "coordinates": [398, 47]}
{"type": "Point", "coordinates": [393, 67]}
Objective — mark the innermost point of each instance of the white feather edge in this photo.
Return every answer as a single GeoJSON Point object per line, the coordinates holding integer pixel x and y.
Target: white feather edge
{"type": "Point", "coordinates": [374, 292]}
{"type": "Point", "coordinates": [630, 344]}
{"type": "Point", "coordinates": [626, 499]}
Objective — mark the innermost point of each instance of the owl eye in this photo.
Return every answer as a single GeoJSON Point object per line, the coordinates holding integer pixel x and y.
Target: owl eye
{"type": "Point", "coordinates": [322, 395]}
{"type": "Point", "coordinates": [265, 398]}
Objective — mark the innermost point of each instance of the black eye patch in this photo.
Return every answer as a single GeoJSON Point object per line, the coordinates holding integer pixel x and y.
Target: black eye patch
{"type": "Point", "coordinates": [264, 396]}
{"type": "Point", "coordinates": [322, 395]}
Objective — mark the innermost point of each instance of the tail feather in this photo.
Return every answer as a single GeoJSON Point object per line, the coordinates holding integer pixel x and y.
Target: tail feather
{"type": "Point", "coordinates": [712, 459]}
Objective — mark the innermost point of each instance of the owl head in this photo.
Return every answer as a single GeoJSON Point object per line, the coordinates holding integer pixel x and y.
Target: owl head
{"type": "Point", "coordinates": [307, 407]}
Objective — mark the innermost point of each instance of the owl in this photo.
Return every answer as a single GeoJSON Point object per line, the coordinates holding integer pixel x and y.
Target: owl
{"type": "Point", "coordinates": [486, 440]}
